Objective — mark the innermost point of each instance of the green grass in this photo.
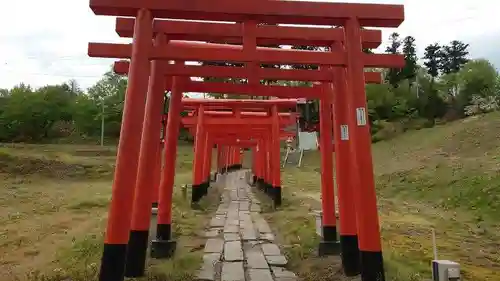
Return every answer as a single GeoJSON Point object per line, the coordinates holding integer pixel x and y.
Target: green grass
{"type": "Point", "coordinates": [53, 208]}
{"type": "Point", "coordinates": [53, 205]}
{"type": "Point", "coordinates": [446, 177]}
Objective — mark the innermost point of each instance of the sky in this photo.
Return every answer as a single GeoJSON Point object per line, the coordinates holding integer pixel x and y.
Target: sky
{"type": "Point", "coordinates": [45, 42]}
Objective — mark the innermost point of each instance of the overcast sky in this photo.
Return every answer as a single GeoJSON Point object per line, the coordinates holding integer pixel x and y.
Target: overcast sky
{"type": "Point", "coordinates": [45, 42]}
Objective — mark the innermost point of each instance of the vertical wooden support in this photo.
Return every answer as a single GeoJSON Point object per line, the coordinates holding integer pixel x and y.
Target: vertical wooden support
{"type": "Point", "coordinates": [250, 48]}
{"type": "Point", "coordinates": [164, 246]}
{"type": "Point", "coordinates": [344, 170]}
{"type": "Point", "coordinates": [199, 151]}
{"type": "Point", "coordinates": [329, 244]}
{"type": "Point", "coordinates": [141, 216]}
{"type": "Point", "coordinates": [227, 158]}
{"type": "Point", "coordinates": [238, 160]}
{"type": "Point", "coordinates": [219, 159]}
{"type": "Point", "coordinates": [207, 162]}
{"type": "Point", "coordinates": [275, 157]}
{"type": "Point", "coordinates": [223, 159]}
{"type": "Point", "coordinates": [231, 158]}
{"type": "Point", "coordinates": [267, 165]}
{"type": "Point", "coordinates": [364, 191]}
{"type": "Point", "coordinates": [259, 164]}
{"type": "Point", "coordinates": [119, 219]}
{"type": "Point", "coordinates": [254, 165]}
{"type": "Point", "coordinates": [157, 175]}
{"type": "Point", "coordinates": [236, 157]}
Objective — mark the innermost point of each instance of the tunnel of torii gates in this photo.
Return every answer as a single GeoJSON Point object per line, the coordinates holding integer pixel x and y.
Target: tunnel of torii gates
{"type": "Point", "coordinates": [264, 131]}
{"type": "Point", "coordinates": [343, 84]}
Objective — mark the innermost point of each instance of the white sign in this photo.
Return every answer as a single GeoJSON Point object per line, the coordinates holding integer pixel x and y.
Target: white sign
{"type": "Point", "coordinates": [308, 141]}
{"type": "Point", "coordinates": [361, 116]}
{"type": "Point", "coordinates": [344, 132]}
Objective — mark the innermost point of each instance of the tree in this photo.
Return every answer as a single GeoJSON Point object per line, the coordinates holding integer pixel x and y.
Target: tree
{"type": "Point", "coordinates": [110, 90]}
{"type": "Point", "coordinates": [432, 60]}
{"type": "Point", "coordinates": [394, 74]}
{"type": "Point", "coordinates": [410, 53]}
{"type": "Point", "coordinates": [74, 87]}
{"type": "Point", "coordinates": [453, 56]}
{"type": "Point", "coordinates": [4, 92]}
{"type": "Point", "coordinates": [477, 78]}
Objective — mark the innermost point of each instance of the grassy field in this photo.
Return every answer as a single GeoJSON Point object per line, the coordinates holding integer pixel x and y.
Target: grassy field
{"type": "Point", "coordinates": [53, 208]}
{"type": "Point", "coordinates": [447, 178]}
{"type": "Point", "coordinates": [53, 205]}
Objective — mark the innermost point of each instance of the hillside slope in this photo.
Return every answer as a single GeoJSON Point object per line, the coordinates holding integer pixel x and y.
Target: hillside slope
{"type": "Point", "coordinates": [447, 178]}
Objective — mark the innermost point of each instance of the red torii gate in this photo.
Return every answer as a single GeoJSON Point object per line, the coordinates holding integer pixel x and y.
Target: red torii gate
{"type": "Point", "coordinates": [239, 121]}
{"type": "Point", "coordinates": [235, 138]}
{"type": "Point", "coordinates": [351, 16]}
{"type": "Point", "coordinates": [236, 132]}
{"type": "Point", "coordinates": [260, 171]}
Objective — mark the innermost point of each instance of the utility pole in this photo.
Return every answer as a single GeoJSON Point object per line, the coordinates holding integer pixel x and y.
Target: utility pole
{"type": "Point", "coordinates": [418, 86]}
{"type": "Point", "coordinates": [102, 122]}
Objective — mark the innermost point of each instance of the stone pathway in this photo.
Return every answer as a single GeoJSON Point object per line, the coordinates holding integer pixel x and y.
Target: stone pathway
{"type": "Point", "coordinates": [240, 245]}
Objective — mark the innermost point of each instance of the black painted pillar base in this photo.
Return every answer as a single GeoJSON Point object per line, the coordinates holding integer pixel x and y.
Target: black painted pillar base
{"type": "Point", "coordinates": [135, 265]}
{"type": "Point", "coordinates": [163, 247]}
{"type": "Point", "coordinates": [154, 205]}
{"type": "Point", "coordinates": [254, 180]}
{"type": "Point", "coordinates": [113, 262]}
{"type": "Point", "coordinates": [206, 186]}
{"type": "Point", "coordinates": [260, 183]}
{"type": "Point", "coordinates": [329, 245]}
{"type": "Point", "coordinates": [237, 167]}
{"type": "Point", "coordinates": [350, 255]}
{"type": "Point", "coordinates": [276, 195]}
{"type": "Point", "coordinates": [197, 193]}
{"type": "Point", "coordinates": [372, 266]}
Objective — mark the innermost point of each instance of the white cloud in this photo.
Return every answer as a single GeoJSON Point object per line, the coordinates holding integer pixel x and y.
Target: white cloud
{"type": "Point", "coordinates": [44, 42]}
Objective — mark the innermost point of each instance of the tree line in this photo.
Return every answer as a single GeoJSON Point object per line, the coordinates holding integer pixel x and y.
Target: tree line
{"type": "Point", "coordinates": [443, 85]}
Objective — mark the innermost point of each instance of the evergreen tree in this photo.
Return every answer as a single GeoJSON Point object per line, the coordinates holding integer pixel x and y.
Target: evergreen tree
{"type": "Point", "coordinates": [432, 60]}
{"type": "Point", "coordinates": [453, 56]}
{"type": "Point", "coordinates": [394, 74]}
{"type": "Point", "coordinates": [410, 53]}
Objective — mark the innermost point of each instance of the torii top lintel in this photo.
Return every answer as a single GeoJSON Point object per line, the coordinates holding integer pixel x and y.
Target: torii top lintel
{"type": "Point", "coordinates": [199, 51]}
{"type": "Point", "coordinates": [323, 75]}
{"type": "Point", "coordinates": [240, 103]}
{"type": "Point", "coordinates": [232, 33]}
{"type": "Point", "coordinates": [264, 11]}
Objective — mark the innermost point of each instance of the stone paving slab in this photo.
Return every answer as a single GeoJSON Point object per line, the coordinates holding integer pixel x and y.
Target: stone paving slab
{"type": "Point", "coordinates": [232, 271]}
{"type": "Point", "coordinates": [276, 260]}
{"type": "Point", "coordinates": [240, 242]}
{"type": "Point", "coordinates": [266, 236]}
{"type": "Point", "coordinates": [231, 237]}
{"type": "Point", "coordinates": [214, 245]}
{"type": "Point", "coordinates": [231, 229]}
{"type": "Point", "coordinates": [233, 251]}
{"type": "Point", "coordinates": [257, 260]}
{"type": "Point", "coordinates": [280, 272]}
{"type": "Point", "coordinates": [260, 275]}
{"type": "Point", "coordinates": [270, 249]}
